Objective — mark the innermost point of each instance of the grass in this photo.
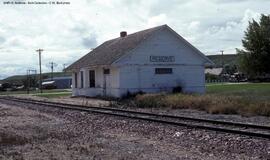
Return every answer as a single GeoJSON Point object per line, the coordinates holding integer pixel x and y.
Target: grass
{"type": "Point", "coordinates": [253, 91]}
{"type": "Point", "coordinates": [244, 99]}
{"type": "Point", "coordinates": [33, 92]}
{"type": "Point", "coordinates": [12, 92]}
{"type": "Point", "coordinates": [54, 95]}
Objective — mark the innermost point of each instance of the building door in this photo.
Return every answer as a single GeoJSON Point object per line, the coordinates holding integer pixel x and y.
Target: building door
{"type": "Point", "coordinates": [82, 79]}
{"type": "Point", "coordinates": [108, 85]}
{"type": "Point", "coordinates": [107, 82]}
{"type": "Point", "coordinates": [92, 79]}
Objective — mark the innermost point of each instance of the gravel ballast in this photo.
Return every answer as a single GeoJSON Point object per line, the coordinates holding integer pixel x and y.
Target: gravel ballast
{"type": "Point", "coordinates": [35, 132]}
{"type": "Point", "coordinates": [259, 120]}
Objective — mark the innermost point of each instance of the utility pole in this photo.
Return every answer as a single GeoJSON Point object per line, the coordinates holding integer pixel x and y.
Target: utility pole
{"type": "Point", "coordinates": [35, 77]}
{"type": "Point", "coordinates": [40, 76]}
{"type": "Point", "coordinates": [222, 58]}
{"type": "Point", "coordinates": [64, 65]}
{"type": "Point", "coordinates": [28, 81]}
{"type": "Point", "coordinates": [52, 66]}
{"type": "Point", "coordinates": [28, 76]}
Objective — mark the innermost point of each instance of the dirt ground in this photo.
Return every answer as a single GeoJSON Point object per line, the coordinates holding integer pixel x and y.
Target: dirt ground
{"type": "Point", "coordinates": [35, 132]}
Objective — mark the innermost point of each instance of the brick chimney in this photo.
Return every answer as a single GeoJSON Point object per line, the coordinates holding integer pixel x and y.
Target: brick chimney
{"type": "Point", "coordinates": [123, 34]}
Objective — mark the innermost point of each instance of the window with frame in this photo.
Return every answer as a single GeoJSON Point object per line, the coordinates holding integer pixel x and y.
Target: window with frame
{"type": "Point", "coordinates": [92, 79]}
{"type": "Point", "coordinates": [106, 71]}
{"type": "Point", "coordinates": [163, 71]}
{"type": "Point", "coordinates": [76, 80]}
{"type": "Point", "coordinates": [82, 81]}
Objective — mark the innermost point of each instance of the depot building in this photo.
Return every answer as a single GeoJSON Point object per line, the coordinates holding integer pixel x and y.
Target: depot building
{"type": "Point", "coordinates": [153, 60]}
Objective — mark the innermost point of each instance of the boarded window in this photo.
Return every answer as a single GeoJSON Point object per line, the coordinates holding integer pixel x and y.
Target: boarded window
{"type": "Point", "coordinates": [76, 80]}
{"type": "Point", "coordinates": [82, 79]}
{"type": "Point", "coordinates": [163, 70]}
{"type": "Point", "coordinates": [92, 78]}
{"type": "Point", "coordinates": [106, 71]}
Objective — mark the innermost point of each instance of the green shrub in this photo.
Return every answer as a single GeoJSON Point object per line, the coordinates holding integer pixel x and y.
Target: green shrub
{"type": "Point", "coordinates": [149, 101]}
{"type": "Point", "coordinates": [215, 104]}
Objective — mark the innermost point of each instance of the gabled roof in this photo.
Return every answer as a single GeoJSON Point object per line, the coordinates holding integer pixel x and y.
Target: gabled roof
{"type": "Point", "coordinates": [111, 50]}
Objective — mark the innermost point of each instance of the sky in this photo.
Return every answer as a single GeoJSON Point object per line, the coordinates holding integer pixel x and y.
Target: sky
{"type": "Point", "coordinates": [66, 32]}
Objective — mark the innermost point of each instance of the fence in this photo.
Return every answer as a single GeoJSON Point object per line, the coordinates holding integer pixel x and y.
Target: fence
{"type": "Point", "coordinates": [216, 80]}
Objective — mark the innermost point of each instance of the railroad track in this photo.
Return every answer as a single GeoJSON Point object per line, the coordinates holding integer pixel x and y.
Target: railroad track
{"type": "Point", "coordinates": [251, 130]}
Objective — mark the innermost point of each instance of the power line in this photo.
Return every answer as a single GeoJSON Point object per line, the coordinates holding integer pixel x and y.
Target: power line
{"type": "Point", "coordinates": [216, 51]}
{"type": "Point", "coordinates": [64, 66]}
{"type": "Point", "coordinates": [52, 64]}
{"type": "Point", "coordinates": [28, 76]}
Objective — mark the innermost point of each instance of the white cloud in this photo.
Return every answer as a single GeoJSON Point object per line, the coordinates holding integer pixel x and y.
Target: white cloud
{"type": "Point", "coordinates": [66, 32]}
{"type": "Point", "coordinates": [249, 15]}
{"type": "Point", "coordinates": [194, 25]}
{"type": "Point", "coordinates": [157, 20]}
{"type": "Point", "coordinates": [228, 36]}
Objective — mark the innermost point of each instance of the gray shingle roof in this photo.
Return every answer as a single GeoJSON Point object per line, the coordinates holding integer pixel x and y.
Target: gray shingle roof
{"type": "Point", "coordinates": [112, 50]}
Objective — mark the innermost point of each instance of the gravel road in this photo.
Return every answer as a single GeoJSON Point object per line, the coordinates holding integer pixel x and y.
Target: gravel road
{"type": "Point", "coordinates": [35, 132]}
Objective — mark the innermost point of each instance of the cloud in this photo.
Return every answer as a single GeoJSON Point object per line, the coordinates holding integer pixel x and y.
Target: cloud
{"type": "Point", "coordinates": [230, 1]}
{"type": "Point", "coordinates": [227, 37]}
{"type": "Point", "coordinates": [157, 20]}
{"type": "Point", "coordinates": [2, 40]}
{"type": "Point", "coordinates": [89, 41]}
{"type": "Point", "coordinates": [67, 32]}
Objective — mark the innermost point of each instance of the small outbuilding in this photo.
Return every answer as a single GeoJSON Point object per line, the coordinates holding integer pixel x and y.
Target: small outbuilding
{"type": "Point", "coordinates": [153, 60]}
{"type": "Point", "coordinates": [213, 71]}
{"type": "Point", "coordinates": [57, 83]}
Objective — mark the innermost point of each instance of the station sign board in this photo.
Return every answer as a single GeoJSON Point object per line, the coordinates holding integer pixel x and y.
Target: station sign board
{"type": "Point", "coordinates": [162, 59]}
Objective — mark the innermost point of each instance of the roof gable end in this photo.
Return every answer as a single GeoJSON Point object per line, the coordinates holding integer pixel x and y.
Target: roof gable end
{"type": "Point", "coordinates": [112, 50]}
{"type": "Point", "coordinates": [199, 53]}
{"type": "Point", "coordinates": [149, 48]}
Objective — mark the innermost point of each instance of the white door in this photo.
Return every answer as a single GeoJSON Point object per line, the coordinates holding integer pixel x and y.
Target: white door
{"type": "Point", "coordinates": [107, 82]}
{"type": "Point", "coordinates": [108, 85]}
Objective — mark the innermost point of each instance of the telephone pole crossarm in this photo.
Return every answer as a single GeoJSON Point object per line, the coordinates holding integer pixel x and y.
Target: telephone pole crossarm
{"type": "Point", "coordinates": [52, 64]}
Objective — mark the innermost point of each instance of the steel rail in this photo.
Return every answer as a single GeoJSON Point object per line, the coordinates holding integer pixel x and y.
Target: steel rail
{"type": "Point", "coordinates": [111, 111]}
{"type": "Point", "coordinates": [237, 124]}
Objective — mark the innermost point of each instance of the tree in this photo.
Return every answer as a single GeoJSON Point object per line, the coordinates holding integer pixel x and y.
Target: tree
{"type": "Point", "coordinates": [255, 57]}
{"type": "Point", "coordinates": [230, 69]}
